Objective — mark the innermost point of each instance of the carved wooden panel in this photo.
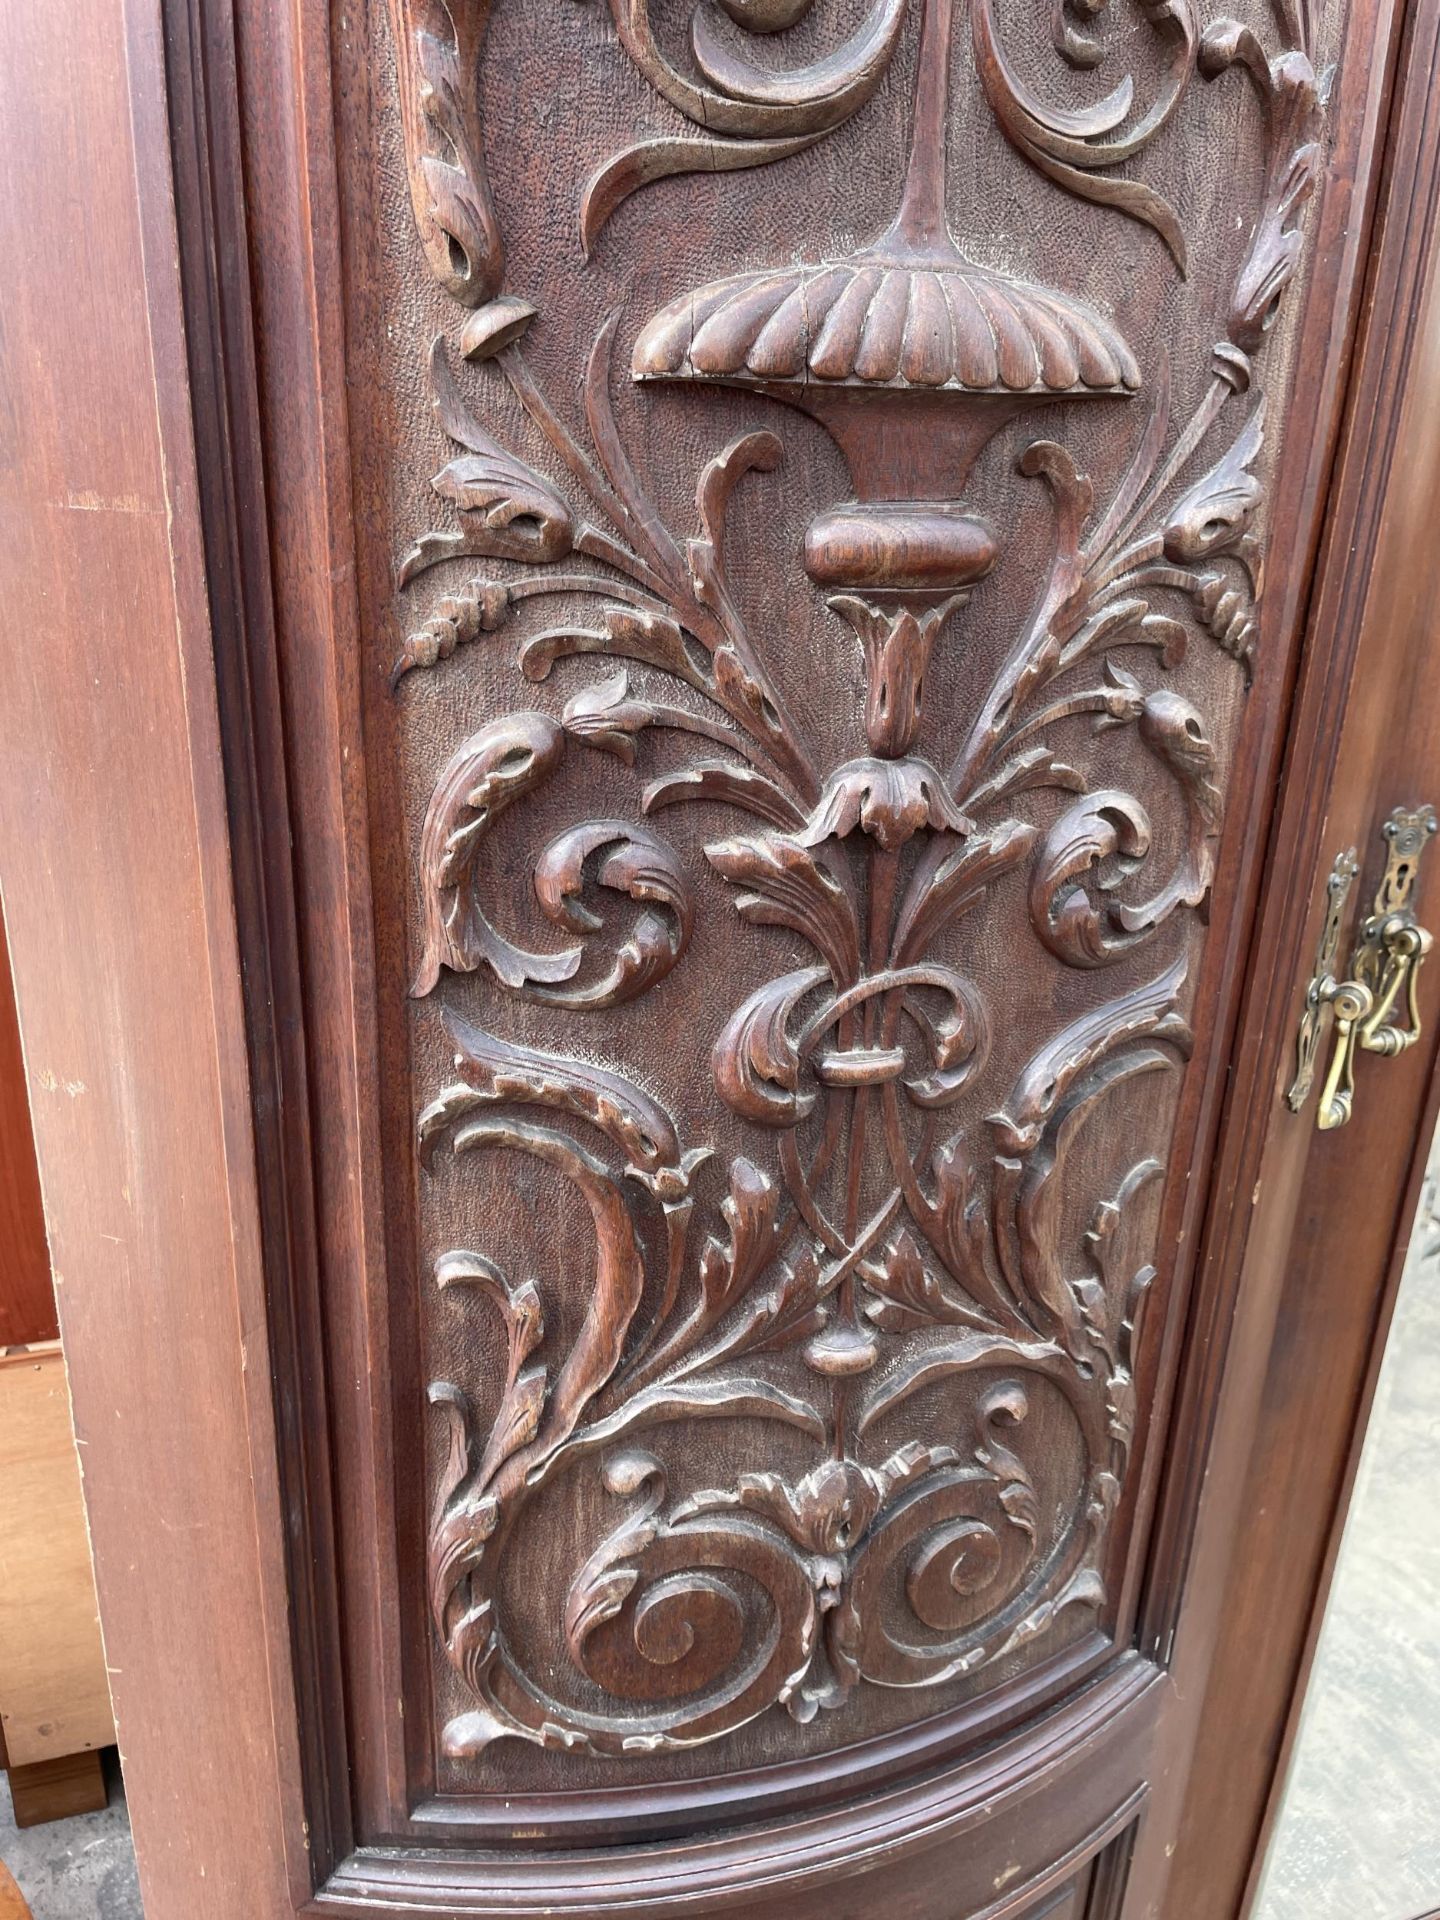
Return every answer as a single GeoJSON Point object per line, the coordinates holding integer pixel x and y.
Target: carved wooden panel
{"type": "Point", "coordinates": [812, 466]}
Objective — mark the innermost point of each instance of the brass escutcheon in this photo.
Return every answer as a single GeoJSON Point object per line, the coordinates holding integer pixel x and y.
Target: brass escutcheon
{"type": "Point", "coordinates": [1384, 971]}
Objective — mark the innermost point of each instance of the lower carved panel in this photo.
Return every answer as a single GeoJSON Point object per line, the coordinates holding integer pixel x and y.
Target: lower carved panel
{"type": "Point", "coordinates": [870, 1555]}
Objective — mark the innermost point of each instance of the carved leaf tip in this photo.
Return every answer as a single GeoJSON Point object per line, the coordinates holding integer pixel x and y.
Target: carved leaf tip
{"type": "Point", "coordinates": [604, 716]}
{"type": "Point", "coordinates": [483, 607]}
{"type": "Point", "coordinates": [497, 325]}
{"type": "Point", "coordinates": [507, 511]}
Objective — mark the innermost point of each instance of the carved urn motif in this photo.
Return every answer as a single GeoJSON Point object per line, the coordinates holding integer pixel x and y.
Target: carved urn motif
{"type": "Point", "coordinates": [912, 358]}
{"type": "Point", "coordinates": [920, 1283]}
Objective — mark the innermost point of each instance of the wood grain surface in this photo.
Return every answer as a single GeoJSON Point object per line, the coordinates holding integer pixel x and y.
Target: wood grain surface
{"type": "Point", "coordinates": [713, 615]}
{"type": "Point", "coordinates": [54, 1696]}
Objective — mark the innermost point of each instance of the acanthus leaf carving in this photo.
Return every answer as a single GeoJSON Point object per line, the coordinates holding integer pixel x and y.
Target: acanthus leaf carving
{"type": "Point", "coordinates": [492, 1070]}
{"type": "Point", "coordinates": [1149, 1011]}
{"type": "Point", "coordinates": [506, 510]}
{"type": "Point", "coordinates": [750, 115]}
{"type": "Point", "coordinates": [1215, 516]}
{"type": "Point", "coordinates": [1099, 826]}
{"type": "Point", "coordinates": [728, 1269]}
{"type": "Point", "coordinates": [1173, 729]}
{"type": "Point", "coordinates": [1290, 95]}
{"type": "Point", "coordinates": [1077, 149]}
{"type": "Point", "coordinates": [789, 885]}
{"type": "Point", "coordinates": [437, 54]}
{"type": "Point", "coordinates": [890, 800]}
{"type": "Point", "coordinates": [889, 1239]}
{"type": "Point", "coordinates": [636, 863]}
{"type": "Point", "coordinates": [501, 764]}
{"type": "Point", "coordinates": [755, 1059]}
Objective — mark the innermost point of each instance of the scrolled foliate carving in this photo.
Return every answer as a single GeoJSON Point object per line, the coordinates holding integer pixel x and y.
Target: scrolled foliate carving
{"type": "Point", "coordinates": [1079, 149]}
{"type": "Point", "coordinates": [437, 55]}
{"type": "Point", "coordinates": [745, 114]}
{"type": "Point", "coordinates": [495, 768]}
{"type": "Point", "coordinates": [953, 1255]}
{"type": "Point", "coordinates": [1290, 95]}
{"type": "Point", "coordinates": [739, 113]}
{"type": "Point", "coordinates": [935, 1205]}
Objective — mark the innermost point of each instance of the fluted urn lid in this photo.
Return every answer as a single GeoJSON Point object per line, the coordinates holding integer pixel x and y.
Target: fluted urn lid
{"type": "Point", "coordinates": [932, 322]}
{"type": "Point", "coordinates": [908, 312]}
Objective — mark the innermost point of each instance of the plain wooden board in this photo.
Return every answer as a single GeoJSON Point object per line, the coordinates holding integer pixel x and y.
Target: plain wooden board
{"type": "Point", "coordinates": [59, 1789]}
{"type": "Point", "coordinates": [54, 1696]}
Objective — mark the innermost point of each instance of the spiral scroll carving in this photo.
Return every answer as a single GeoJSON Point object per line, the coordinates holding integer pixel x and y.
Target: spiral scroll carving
{"type": "Point", "coordinates": [935, 1301]}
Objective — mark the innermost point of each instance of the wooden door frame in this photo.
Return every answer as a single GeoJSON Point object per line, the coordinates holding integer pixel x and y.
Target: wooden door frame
{"type": "Point", "coordinates": [121, 908]}
{"type": "Point", "coordinates": [1316, 1273]}
{"type": "Point", "coordinates": [179, 1013]}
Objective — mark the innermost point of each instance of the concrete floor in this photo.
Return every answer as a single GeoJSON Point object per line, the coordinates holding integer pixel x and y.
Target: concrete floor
{"type": "Point", "coordinates": [81, 1869]}
{"type": "Point", "coordinates": [1359, 1831]}
{"type": "Point", "coordinates": [1359, 1835]}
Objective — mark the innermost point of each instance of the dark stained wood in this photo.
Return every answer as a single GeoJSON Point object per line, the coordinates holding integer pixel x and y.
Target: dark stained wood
{"type": "Point", "coordinates": [218, 321]}
{"type": "Point", "coordinates": [912, 1267]}
{"type": "Point", "coordinates": [1076, 1784]}
{"type": "Point", "coordinates": [667, 1332]}
{"type": "Point", "coordinates": [56, 1789]}
{"type": "Point", "coordinates": [735, 645]}
{"type": "Point", "coordinates": [27, 1295]}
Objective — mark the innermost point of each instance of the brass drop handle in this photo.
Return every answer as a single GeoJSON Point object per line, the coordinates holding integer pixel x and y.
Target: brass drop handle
{"type": "Point", "coordinates": [1384, 971]}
